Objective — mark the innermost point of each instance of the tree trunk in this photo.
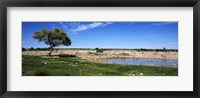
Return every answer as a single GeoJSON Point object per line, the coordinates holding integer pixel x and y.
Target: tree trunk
{"type": "Point", "coordinates": [51, 49]}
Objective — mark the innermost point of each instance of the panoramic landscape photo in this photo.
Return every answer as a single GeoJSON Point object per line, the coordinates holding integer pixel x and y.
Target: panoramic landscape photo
{"type": "Point", "coordinates": [100, 48]}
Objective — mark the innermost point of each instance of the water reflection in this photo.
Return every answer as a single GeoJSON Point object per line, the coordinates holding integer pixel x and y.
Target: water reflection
{"type": "Point", "coordinates": [142, 61]}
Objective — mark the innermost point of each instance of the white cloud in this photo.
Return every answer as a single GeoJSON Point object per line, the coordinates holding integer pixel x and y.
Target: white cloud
{"type": "Point", "coordinates": [162, 23]}
{"type": "Point", "coordinates": [89, 26]}
{"type": "Point", "coordinates": [61, 23]}
{"type": "Point", "coordinates": [76, 27]}
{"type": "Point", "coordinates": [86, 27]}
{"type": "Point", "coordinates": [65, 27]}
{"type": "Point", "coordinates": [107, 23]}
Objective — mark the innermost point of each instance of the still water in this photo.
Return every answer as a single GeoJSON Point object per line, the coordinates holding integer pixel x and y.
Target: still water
{"type": "Point", "coordinates": [142, 61]}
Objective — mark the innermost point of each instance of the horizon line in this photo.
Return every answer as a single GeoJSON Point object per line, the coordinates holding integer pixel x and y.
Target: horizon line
{"type": "Point", "coordinates": [102, 48]}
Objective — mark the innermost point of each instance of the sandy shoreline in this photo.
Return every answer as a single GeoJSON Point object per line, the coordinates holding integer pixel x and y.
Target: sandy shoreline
{"type": "Point", "coordinates": [97, 57]}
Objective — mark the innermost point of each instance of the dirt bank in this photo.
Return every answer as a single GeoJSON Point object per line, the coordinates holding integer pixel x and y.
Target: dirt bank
{"type": "Point", "coordinates": [93, 56]}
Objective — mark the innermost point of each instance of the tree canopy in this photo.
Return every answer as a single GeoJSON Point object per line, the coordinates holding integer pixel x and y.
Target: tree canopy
{"type": "Point", "coordinates": [53, 38]}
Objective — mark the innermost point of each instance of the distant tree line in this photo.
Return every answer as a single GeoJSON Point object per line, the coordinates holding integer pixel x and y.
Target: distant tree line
{"type": "Point", "coordinates": [157, 50]}
{"type": "Point", "coordinates": [100, 49]}
{"type": "Point", "coordinates": [37, 49]}
{"type": "Point", "coordinates": [140, 49]}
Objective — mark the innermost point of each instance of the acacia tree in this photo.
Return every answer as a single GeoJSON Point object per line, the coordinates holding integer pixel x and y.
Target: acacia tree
{"type": "Point", "coordinates": [53, 38]}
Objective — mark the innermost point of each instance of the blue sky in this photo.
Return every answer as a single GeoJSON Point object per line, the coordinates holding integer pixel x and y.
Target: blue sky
{"type": "Point", "coordinates": [151, 35]}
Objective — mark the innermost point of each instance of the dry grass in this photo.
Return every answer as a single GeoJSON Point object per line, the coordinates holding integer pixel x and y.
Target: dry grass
{"type": "Point", "coordinates": [97, 57]}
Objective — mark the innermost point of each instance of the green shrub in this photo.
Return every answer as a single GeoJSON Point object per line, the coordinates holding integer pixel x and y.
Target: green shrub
{"type": "Point", "coordinates": [66, 55]}
{"type": "Point", "coordinates": [100, 50]}
{"type": "Point", "coordinates": [23, 49]}
{"type": "Point", "coordinates": [31, 48]}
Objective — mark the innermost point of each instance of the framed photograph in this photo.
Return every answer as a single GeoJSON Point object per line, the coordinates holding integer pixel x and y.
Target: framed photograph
{"type": "Point", "coordinates": [85, 49]}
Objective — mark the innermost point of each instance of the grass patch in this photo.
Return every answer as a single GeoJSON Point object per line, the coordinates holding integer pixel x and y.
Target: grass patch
{"type": "Point", "coordinates": [75, 66]}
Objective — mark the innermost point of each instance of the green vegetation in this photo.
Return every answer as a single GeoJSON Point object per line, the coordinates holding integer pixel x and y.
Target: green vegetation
{"type": "Point", "coordinates": [99, 50]}
{"type": "Point", "coordinates": [104, 49]}
{"type": "Point", "coordinates": [23, 49]}
{"type": "Point", "coordinates": [53, 38]}
{"type": "Point", "coordinates": [75, 66]}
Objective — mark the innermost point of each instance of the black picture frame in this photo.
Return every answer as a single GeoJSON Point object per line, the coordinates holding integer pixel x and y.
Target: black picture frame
{"type": "Point", "coordinates": [99, 3]}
